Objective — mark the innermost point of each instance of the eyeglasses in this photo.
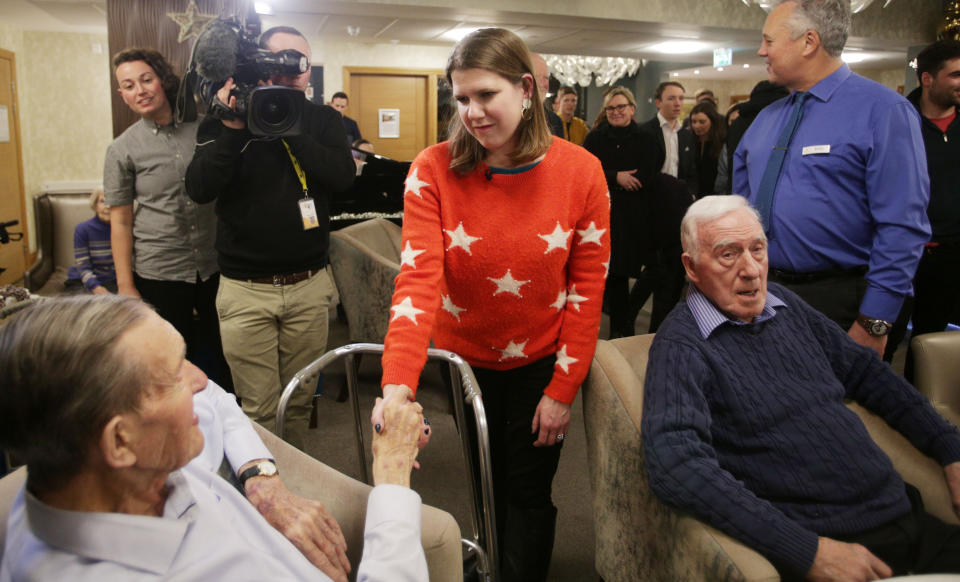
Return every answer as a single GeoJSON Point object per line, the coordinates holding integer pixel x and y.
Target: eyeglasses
{"type": "Point", "coordinates": [616, 108]}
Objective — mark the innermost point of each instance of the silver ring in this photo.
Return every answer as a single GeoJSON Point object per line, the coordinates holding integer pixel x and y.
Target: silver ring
{"type": "Point", "coordinates": [561, 436]}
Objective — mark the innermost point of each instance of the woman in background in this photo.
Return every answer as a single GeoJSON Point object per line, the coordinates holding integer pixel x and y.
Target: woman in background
{"type": "Point", "coordinates": [629, 158]}
{"type": "Point", "coordinates": [711, 131]}
{"type": "Point", "coordinates": [506, 243]}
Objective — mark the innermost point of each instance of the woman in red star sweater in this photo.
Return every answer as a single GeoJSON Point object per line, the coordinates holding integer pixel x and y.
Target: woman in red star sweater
{"type": "Point", "coordinates": [505, 251]}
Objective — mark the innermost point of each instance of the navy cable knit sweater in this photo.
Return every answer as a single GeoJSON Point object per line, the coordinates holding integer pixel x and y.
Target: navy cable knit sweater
{"type": "Point", "coordinates": [748, 431]}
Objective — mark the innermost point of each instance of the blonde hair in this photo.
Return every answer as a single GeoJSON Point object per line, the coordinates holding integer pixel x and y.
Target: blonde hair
{"type": "Point", "coordinates": [95, 197]}
{"type": "Point", "coordinates": [502, 52]}
{"type": "Point", "coordinates": [608, 95]}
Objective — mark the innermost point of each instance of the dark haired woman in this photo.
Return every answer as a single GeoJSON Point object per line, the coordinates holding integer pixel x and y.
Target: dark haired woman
{"type": "Point", "coordinates": [164, 252]}
{"type": "Point", "coordinates": [506, 243]}
{"type": "Point", "coordinates": [711, 131]}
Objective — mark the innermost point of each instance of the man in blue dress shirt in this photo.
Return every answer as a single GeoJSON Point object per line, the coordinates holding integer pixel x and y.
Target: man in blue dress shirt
{"type": "Point", "coordinates": [847, 209]}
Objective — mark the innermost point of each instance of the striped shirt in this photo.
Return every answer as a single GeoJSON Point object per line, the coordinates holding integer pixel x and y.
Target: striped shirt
{"type": "Point", "coordinates": [709, 318]}
{"type": "Point", "coordinates": [91, 250]}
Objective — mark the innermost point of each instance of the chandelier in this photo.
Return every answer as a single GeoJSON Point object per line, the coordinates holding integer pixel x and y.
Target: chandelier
{"type": "Point", "coordinates": [579, 70]}
{"type": "Point", "coordinates": [855, 5]}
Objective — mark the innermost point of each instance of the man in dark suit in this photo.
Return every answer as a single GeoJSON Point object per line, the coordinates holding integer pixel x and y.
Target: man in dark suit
{"type": "Point", "coordinates": [677, 146]}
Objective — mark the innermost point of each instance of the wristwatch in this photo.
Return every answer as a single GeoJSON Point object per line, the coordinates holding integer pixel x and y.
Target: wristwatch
{"type": "Point", "coordinates": [264, 468]}
{"type": "Point", "coordinates": [875, 327]}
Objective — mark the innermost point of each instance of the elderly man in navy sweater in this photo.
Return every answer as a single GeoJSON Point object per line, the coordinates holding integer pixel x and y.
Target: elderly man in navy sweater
{"type": "Point", "coordinates": [745, 427]}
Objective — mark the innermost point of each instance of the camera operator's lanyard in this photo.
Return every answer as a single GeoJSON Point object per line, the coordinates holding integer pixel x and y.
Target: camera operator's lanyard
{"type": "Point", "coordinates": [308, 210]}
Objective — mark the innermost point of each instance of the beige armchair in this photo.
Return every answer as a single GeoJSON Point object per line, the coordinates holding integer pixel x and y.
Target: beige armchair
{"type": "Point", "coordinates": [640, 538]}
{"type": "Point", "coordinates": [344, 498]}
{"type": "Point", "coordinates": [365, 258]}
{"type": "Point", "coordinates": [936, 368]}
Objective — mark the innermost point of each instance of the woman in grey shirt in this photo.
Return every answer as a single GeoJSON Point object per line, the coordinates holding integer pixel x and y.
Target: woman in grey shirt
{"type": "Point", "coordinates": [163, 250]}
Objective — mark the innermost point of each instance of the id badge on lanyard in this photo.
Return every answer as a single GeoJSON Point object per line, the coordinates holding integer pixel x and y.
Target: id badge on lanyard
{"type": "Point", "coordinates": [308, 209]}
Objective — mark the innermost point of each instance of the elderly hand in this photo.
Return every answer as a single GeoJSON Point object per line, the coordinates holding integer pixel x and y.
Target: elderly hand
{"type": "Point", "coordinates": [304, 522]}
{"type": "Point", "coordinates": [952, 472]}
{"type": "Point", "coordinates": [860, 335]}
{"type": "Point", "coordinates": [379, 423]}
{"type": "Point", "coordinates": [843, 562]}
{"type": "Point", "coordinates": [396, 444]}
{"type": "Point", "coordinates": [627, 181]}
{"type": "Point", "coordinates": [551, 419]}
{"type": "Point", "coordinates": [230, 101]}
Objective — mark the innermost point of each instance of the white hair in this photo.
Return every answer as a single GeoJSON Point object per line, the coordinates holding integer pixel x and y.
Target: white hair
{"type": "Point", "coordinates": [830, 18]}
{"type": "Point", "coordinates": [708, 209]}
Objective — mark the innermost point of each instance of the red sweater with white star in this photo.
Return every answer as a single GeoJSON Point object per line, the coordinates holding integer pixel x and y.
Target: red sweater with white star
{"type": "Point", "coordinates": [502, 269]}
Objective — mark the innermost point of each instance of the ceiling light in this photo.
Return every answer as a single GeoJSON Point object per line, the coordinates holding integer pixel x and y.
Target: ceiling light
{"type": "Point", "coordinates": [849, 57]}
{"type": "Point", "coordinates": [746, 65]}
{"type": "Point", "coordinates": [720, 68]}
{"type": "Point", "coordinates": [263, 8]}
{"type": "Point", "coordinates": [353, 30]}
{"type": "Point", "coordinates": [678, 47]}
{"type": "Point", "coordinates": [696, 71]}
{"type": "Point", "coordinates": [457, 34]}
{"type": "Point", "coordinates": [674, 74]}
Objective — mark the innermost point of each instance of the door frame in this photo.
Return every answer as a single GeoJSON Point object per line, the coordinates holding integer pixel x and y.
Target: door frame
{"type": "Point", "coordinates": [430, 74]}
{"type": "Point", "coordinates": [14, 116]}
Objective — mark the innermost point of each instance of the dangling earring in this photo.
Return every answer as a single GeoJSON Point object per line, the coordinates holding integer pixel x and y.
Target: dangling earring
{"type": "Point", "coordinates": [524, 106]}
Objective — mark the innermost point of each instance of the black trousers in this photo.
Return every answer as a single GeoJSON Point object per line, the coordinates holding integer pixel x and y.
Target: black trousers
{"type": "Point", "coordinates": [917, 543]}
{"type": "Point", "coordinates": [177, 302]}
{"type": "Point", "coordinates": [936, 290]}
{"type": "Point", "coordinates": [522, 474]}
{"type": "Point", "coordinates": [838, 297]}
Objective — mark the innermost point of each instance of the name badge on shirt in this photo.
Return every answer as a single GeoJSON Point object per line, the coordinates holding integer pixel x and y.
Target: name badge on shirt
{"type": "Point", "coordinates": [817, 149]}
{"type": "Point", "coordinates": [308, 212]}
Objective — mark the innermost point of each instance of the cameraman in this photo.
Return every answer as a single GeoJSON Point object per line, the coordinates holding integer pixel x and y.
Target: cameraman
{"type": "Point", "coordinates": [272, 241]}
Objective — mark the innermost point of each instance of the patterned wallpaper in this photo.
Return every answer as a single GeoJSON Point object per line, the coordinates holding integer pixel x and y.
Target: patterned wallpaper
{"type": "Point", "coordinates": [64, 107]}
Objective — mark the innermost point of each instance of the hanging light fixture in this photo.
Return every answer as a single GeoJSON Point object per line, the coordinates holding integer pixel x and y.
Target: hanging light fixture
{"type": "Point", "coordinates": [855, 5]}
{"type": "Point", "coordinates": [580, 70]}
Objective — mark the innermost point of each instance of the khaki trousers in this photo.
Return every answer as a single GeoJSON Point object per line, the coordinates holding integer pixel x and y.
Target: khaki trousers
{"type": "Point", "coordinates": [269, 334]}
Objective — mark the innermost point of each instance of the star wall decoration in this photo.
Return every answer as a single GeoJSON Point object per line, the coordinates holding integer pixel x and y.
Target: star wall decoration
{"type": "Point", "coordinates": [507, 284]}
{"type": "Point", "coordinates": [564, 361]}
{"type": "Point", "coordinates": [190, 22]}
{"type": "Point", "coordinates": [556, 239]}
{"type": "Point", "coordinates": [409, 255]}
{"type": "Point", "coordinates": [414, 183]}
{"type": "Point", "coordinates": [460, 238]}
{"type": "Point", "coordinates": [405, 309]}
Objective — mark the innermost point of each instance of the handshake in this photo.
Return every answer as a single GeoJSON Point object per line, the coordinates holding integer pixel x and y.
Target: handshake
{"type": "Point", "coordinates": [396, 445]}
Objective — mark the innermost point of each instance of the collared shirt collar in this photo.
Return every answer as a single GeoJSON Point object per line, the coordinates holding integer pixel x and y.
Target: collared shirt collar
{"type": "Point", "coordinates": [827, 86]}
{"type": "Point", "coordinates": [148, 543]}
{"type": "Point", "coordinates": [156, 128]}
{"type": "Point", "coordinates": [664, 123]}
{"type": "Point", "coordinates": [709, 318]}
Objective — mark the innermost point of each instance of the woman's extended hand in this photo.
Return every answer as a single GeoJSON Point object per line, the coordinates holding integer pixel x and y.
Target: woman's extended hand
{"type": "Point", "coordinates": [551, 419]}
{"type": "Point", "coordinates": [627, 181]}
{"type": "Point", "coordinates": [379, 423]}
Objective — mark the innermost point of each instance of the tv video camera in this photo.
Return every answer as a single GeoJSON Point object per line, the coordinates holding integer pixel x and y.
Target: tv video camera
{"type": "Point", "coordinates": [226, 48]}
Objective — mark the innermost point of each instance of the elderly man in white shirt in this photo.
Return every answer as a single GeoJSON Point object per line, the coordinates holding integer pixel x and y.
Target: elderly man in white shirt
{"type": "Point", "coordinates": [122, 438]}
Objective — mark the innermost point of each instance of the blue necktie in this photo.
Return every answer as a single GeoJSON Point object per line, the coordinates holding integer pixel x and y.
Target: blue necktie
{"type": "Point", "coordinates": [771, 173]}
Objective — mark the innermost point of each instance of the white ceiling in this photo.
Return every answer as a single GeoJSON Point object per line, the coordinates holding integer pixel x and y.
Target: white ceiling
{"type": "Point", "coordinates": [419, 25]}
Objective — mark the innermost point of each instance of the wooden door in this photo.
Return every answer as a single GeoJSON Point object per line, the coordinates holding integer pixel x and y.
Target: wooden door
{"type": "Point", "coordinates": [13, 254]}
{"type": "Point", "coordinates": [412, 92]}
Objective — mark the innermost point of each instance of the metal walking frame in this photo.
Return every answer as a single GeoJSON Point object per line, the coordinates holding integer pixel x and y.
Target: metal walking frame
{"type": "Point", "coordinates": [484, 539]}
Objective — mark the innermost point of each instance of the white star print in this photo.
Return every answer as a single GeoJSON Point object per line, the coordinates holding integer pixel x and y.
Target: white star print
{"type": "Point", "coordinates": [564, 361]}
{"type": "Point", "coordinates": [561, 300]}
{"type": "Point", "coordinates": [448, 305]}
{"type": "Point", "coordinates": [575, 299]}
{"type": "Point", "coordinates": [460, 238]}
{"type": "Point", "coordinates": [507, 284]}
{"type": "Point", "coordinates": [513, 350]}
{"type": "Point", "coordinates": [606, 269]}
{"type": "Point", "coordinates": [405, 309]}
{"type": "Point", "coordinates": [409, 255]}
{"type": "Point", "coordinates": [413, 184]}
{"type": "Point", "coordinates": [556, 239]}
{"type": "Point", "coordinates": [592, 234]}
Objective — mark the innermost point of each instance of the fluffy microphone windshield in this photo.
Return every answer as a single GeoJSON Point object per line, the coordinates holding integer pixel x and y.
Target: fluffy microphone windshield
{"type": "Point", "coordinates": [216, 51]}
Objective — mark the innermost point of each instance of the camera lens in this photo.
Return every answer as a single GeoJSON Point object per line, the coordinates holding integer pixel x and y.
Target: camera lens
{"type": "Point", "coordinates": [274, 111]}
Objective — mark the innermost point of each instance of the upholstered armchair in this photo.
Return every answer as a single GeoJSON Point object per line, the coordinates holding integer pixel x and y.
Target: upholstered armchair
{"type": "Point", "coordinates": [936, 368]}
{"type": "Point", "coordinates": [344, 498]}
{"type": "Point", "coordinates": [365, 258]}
{"type": "Point", "coordinates": [640, 538]}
